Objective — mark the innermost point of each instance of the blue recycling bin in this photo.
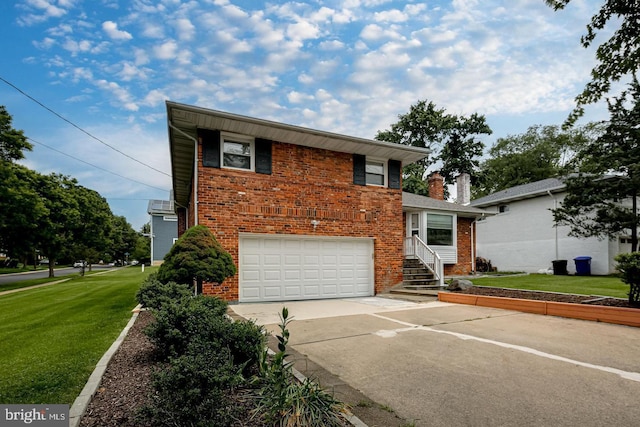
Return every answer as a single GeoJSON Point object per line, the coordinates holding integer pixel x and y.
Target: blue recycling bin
{"type": "Point", "coordinates": [583, 265]}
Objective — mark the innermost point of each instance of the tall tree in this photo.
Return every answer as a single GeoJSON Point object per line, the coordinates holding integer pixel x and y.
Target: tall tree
{"type": "Point", "coordinates": [617, 57]}
{"type": "Point", "coordinates": [123, 238]}
{"type": "Point", "coordinates": [602, 199]}
{"type": "Point", "coordinates": [12, 141]}
{"type": "Point", "coordinates": [55, 230]}
{"type": "Point", "coordinates": [21, 210]}
{"type": "Point", "coordinates": [539, 153]}
{"type": "Point", "coordinates": [453, 140]}
{"type": "Point", "coordinates": [91, 237]}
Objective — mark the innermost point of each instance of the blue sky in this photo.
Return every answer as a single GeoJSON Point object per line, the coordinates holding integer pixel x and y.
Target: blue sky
{"type": "Point", "coordinates": [349, 66]}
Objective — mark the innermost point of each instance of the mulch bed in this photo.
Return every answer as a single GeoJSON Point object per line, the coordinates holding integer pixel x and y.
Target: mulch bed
{"type": "Point", "coordinates": [546, 296]}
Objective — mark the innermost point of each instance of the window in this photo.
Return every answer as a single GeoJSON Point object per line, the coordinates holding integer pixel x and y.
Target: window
{"type": "Point", "coordinates": [237, 152]}
{"type": "Point", "coordinates": [439, 230]}
{"type": "Point", "coordinates": [375, 172]}
{"type": "Point", "coordinates": [503, 208]}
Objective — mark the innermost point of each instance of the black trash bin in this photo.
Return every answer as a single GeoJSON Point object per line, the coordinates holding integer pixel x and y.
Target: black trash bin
{"type": "Point", "coordinates": [583, 265]}
{"type": "Point", "coordinates": [560, 267]}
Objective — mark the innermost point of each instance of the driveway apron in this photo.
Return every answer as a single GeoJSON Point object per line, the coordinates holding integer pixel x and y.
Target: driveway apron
{"type": "Point", "coordinates": [440, 364]}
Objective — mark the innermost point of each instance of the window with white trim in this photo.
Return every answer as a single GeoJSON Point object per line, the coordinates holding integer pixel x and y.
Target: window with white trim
{"type": "Point", "coordinates": [439, 230]}
{"type": "Point", "coordinates": [237, 151]}
{"type": "Point", "coordinates": [376, 172]}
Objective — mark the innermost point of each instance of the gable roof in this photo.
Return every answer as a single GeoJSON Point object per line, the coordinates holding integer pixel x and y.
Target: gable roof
{"type": "Point", "coordinates": [184, 120]}
{"type": "Point", "coordinates": [520, 192]}
{"type": "Point", "coordinates": [415, 201]}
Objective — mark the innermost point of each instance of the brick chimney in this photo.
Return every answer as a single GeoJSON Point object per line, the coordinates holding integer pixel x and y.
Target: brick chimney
{"type": "Point", "coordinates": [436, 186]}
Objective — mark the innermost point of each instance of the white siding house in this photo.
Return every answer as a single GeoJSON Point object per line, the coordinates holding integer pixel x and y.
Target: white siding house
{"type": "Point", "coordinates": [521, 235]}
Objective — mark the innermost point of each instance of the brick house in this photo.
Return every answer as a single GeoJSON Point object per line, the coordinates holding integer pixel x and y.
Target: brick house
{"type": "Point", "coordinates": [447, 229]}
{"type": "Point", "coordinates": [305, 214]}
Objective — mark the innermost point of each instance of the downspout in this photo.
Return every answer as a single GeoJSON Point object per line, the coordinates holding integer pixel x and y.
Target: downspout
{"type": "Point", "coordinates": [555, 206]}
{"type": "Point", "coordinates": [473, 245]}
{"type": "Point", "coordinates": [195, 173]}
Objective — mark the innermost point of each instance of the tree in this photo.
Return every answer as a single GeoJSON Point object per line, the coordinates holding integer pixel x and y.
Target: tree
{"type": "Point", "coordinates": [21, 210]}
{"type": "Point", "coordinates": [602, 199]}
{"type": "Point", "coordinates": [198, 256]}
{"type": "Point", "coordinates": [123, 238]}
{"type": "Point", "coordinates": [142, 251]}
{"type": "Point", "coordinates": [12, 141]}
{"type": "Point", "coordinates": [55, 230]}
{"type": "Point", "coordinates": [91, 238]}
{"type": "Point", "coordinates": [539, 153]}
{"type": "Point", "coordinates": [455, 137]}
{"type": "Point", "coordinates": [617, 57]}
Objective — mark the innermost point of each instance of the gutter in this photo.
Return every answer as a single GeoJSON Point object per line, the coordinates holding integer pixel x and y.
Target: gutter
{"type": "Point", "coordinates": [195, 172]}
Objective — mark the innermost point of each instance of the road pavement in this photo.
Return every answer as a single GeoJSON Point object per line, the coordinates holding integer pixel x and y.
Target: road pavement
{"type": "Point", "coordinates": [439, 364]}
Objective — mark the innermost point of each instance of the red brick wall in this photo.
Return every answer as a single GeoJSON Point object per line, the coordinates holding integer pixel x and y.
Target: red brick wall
{"type": "Point", "coordinates": [306, 183]}
{"type": "Point", "coordinates": [464, 234]}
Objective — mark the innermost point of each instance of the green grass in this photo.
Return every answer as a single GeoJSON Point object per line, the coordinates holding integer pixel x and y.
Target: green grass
{"type": "Point", "coordinates": [34, 282]}
{"type": "Point", "coordinates": [52, 337]}
{"type": "Point", "coordinates": [587, 285]}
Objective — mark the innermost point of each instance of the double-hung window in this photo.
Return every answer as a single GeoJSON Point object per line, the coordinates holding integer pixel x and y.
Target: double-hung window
{"type": "Point", "coordinates": [237, 152]}
{"type": "Point", "coordinates": [376, 172]}
{"type": "Point", "coordinates": [439, 230]}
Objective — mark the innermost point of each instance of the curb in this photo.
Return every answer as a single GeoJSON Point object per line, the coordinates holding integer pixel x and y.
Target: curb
{"type": "Point", "coordinates": [83, 399]}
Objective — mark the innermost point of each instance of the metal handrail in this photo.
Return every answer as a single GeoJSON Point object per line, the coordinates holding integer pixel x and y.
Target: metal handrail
{"type": "Point", "coordinates": [415, 247]}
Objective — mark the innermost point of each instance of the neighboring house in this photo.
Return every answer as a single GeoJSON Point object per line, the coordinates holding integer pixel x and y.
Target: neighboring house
{"type": "Point", "coordinates": [522, 236]}
{"type": "Point", "coordinates": [447, 228]}
{"type": "Point", "coordinates": [164, 228]}
{"type": "Point", "coordinates": [305, 214]}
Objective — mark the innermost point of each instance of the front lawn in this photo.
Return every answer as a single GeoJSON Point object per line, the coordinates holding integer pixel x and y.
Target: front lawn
{"type": "Point", "coordinates": [610, 286]}
{"type": "Point", "coordinates": [52, 337]}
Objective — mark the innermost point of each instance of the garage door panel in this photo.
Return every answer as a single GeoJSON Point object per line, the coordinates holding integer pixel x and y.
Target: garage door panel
{"type": "Point", "coordinates": [276, 268]}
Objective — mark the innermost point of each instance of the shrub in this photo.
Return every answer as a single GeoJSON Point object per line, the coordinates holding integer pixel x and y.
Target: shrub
{"type": "Point", "coordinates": [154, 294]}
{"type": "Point", "coordinates": [629, 267]}
{"type": "Point", "coordinates": [194, 390]}
{"type": "Point", "coordinates": [178, 322]}
{"type": "Point", "coordinates": [196, 255]}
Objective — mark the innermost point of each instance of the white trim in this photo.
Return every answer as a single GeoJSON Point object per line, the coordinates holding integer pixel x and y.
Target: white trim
{"type": "Point", "coordinates": [385, 171]}
{"type": "Point", "coordinates": [237, 138]}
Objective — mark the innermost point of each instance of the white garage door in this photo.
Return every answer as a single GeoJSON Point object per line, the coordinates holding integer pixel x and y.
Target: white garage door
{"type": "Point", "coordinates": [281, 268]}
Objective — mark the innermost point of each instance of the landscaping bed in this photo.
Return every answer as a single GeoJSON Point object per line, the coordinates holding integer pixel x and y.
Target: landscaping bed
{"type": "Point", "coordinates": [546, 296]}
{"type": "Point", "coordinates": [126, 384]}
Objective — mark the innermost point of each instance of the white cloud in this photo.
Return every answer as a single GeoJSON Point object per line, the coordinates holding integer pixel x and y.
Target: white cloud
{"type": "Point", "coordinates": [295, 97]}
{"type": "Point", "coordinates": [393, 15]}
{"type": "Point", "coordinates": [302, 30]}
{"type": "Point", "coordinates": [40, 11]}
{"type": "Point", "coordinates": [111, 28]}
{"type": "Point", "coordinates": [166, 50]}
{"type": "Point", "coordinates": [123, 97]}
{"type": "Point", "coordinates": [46, 43]}
{"type": "Point", "coordinates": [185, 29]}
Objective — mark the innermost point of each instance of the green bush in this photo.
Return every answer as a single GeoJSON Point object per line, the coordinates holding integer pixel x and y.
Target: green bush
{"type": "Point", "coordinates": [629, 267]}
{"type": "Point", "coordinates": [155, 294]}
{"type": "Point", "coordinates": [178, 322]}
{"type": "Point", "coordinates": [196, 255]}
{"type": "Point", "coordinates": [194, 390]}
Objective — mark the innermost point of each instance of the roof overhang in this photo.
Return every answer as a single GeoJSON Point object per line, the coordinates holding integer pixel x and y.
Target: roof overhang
{"type": "Point", "coordinates": [184, 120]}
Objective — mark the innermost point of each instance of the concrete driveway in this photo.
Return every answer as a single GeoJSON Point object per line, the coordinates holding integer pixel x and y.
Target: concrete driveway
{"type": "Point", "coordinates": [439, 364]}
